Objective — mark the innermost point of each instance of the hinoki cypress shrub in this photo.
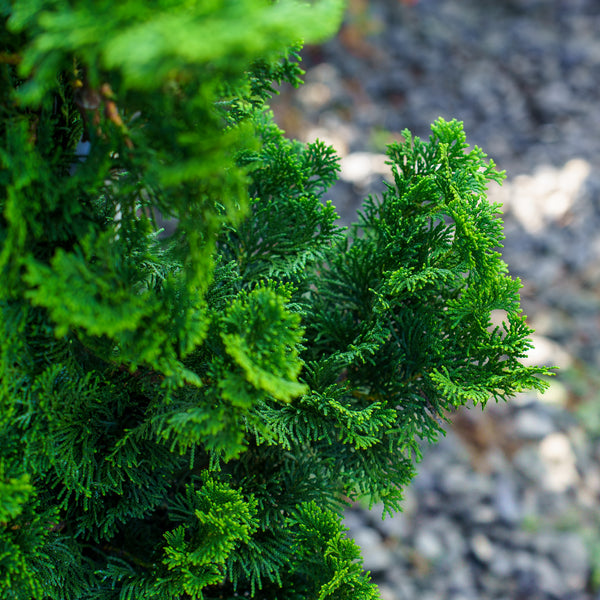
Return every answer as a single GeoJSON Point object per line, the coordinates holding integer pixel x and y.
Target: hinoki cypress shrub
{"type": "Point", "coordinates": [186, 416]}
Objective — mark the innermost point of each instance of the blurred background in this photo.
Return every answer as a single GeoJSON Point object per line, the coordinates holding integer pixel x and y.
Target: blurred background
{"type": "Point", "coordinates": [506, 506]}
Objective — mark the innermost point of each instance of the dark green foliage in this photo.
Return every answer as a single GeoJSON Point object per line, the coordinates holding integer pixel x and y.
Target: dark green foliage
{"type": "Point", "coordinates": [186, 416]}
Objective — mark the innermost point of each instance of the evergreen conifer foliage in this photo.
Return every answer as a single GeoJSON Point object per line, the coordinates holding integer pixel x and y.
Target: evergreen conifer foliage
{"type": "Point", "coordinates": [187, 416]}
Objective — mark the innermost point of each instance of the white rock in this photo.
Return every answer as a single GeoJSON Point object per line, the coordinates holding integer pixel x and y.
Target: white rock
{"type": "Point", "coordinates": [559, 458]}
{"type": "Point", "coordinates": [358, 166]}
{"type": "Point", "coordinates": [428, 543]}
{"type": "Point", "coordinates": [376, 557]}
{"type": "Point", "coordinates": [482, 548]}
{"type": "Point", "coordinates": [546, 352]}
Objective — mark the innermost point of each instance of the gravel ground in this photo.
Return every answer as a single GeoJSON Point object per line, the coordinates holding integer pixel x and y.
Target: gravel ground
{"type": "Point", "coordinates": [506, 506]}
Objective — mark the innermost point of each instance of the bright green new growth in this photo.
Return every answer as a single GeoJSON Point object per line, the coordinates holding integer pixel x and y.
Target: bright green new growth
{"type": "Point", "coordinates": [187, 416]}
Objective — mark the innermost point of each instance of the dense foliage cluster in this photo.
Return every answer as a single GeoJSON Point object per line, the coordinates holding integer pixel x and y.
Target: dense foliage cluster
{"type": "Point", "coordinates": [186, 416]}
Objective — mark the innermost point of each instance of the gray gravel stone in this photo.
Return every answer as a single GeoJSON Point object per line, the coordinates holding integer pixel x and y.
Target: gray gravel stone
{"type": "Point", "coordinates": [529, 462]}
{"type": "Point", "coordinates": [354, 520]}
{"type": "Point", "coordinates": [460, 579]}
{"type": "Point", "coordinates": [572, 558]}
{"type": "Point", "coordinates": [550, 580]}
{"type": "Point", "coordinates": [500, 564]}
{"type": "Point", "coordinates": [455, 545]}
{"type": "Point", "coordinates": [506, 501]}
{"type": "Point", "coordinates": [396, 527]}
{"type": "Point", "coordinates": [533, 425]}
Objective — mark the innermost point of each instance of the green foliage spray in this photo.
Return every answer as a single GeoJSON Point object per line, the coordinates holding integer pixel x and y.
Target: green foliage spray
{"type": "Point", "coordinates": [186, 416]}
